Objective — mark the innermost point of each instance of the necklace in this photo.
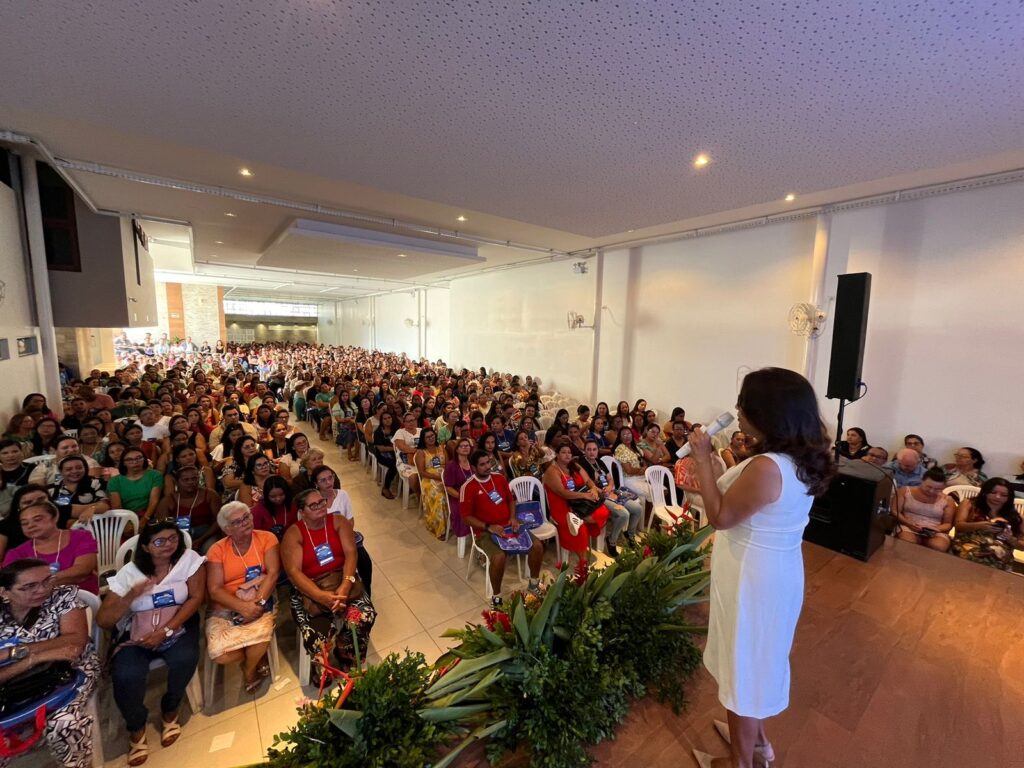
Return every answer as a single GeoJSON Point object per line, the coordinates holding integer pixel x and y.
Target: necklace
{"type": "Point", "coordinates": [60, 544]}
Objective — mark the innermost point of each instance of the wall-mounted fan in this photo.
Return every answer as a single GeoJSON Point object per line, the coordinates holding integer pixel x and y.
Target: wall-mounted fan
{"type": "Point", "coordinates": [806, 320]}
{"type": "Point", "coordinates": [576, 320]}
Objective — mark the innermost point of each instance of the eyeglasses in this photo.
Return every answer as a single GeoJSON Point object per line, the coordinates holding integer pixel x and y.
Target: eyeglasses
{"type": "Point", "coordinates": [163, 541]}
{"type": "Point", "coordinates": [37, 586]}
{"type": "Point", "coordinates": [241, 520]}
{"type": "Point", "coordinates": [317, 504]}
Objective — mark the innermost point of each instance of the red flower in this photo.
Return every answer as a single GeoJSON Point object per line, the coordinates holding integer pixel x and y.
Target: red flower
{"type": "Point", "coordinates": [494, 619]}
{"type": "Point", "coordinates": [353, 615]}
{"type": "Point", "coordinates": [582, 570]}
{"type": "Point", "coordinates": [647, 551]}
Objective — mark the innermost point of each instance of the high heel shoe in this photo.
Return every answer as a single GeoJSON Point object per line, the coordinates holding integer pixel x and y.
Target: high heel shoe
{"type": "Point", "coordinates": [762, 752]}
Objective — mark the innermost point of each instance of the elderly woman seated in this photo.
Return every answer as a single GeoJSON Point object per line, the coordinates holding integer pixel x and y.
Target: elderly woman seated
{"type": "Point", "coordinates": [153, 606]}
{"type": "Point", "coordinates": [69, 554]}
{"type": "Point", "coordinates": [42, 624]}
{"type": "Point", "coordinates": [924, 513]}
{"type": "Point", "coordinates": [988, 527]}
{"type": "Point", "coordinates": [330, 606]}
{"type": "Point", "coordinates": [966, 468]}
{"type": "Point", "coordinates": [241, 574]}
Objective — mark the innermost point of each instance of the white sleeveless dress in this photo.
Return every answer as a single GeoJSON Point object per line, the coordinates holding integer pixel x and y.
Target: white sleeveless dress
{"type": "Point", "coordinates": [757, 590]}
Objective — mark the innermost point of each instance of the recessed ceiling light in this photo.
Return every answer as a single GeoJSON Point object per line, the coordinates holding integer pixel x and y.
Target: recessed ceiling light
{"type": "Point", "coordinates": [701, 160]}
{"type": "Point", "coordinates": [401, 255]}
{"type": "Point", "coordinates": [790, 197]}
{"type": "Point", "coordinates": [355, 270]}
{"type": "Point", "coordinates": [460, 218]}
{"type": "Point", "coordinates": [245, 172]}
{"type": "Point", "coordinates": [631, 230]}
{"type": "Point", "coordinates": [218, 242]}
{"type": "Point", "coordinates": [230, 214]}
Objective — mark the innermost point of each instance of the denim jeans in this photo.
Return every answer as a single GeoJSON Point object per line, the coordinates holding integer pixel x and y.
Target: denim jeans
{"type": "Point", "coordinates": [129, 673]}
{"type": "Point", "coordinates": [620, 515]}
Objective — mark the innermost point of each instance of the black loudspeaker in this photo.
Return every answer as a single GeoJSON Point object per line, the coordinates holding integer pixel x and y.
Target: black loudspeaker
{"type": "Point", "coordinates": [852, 516]}
{"type": "Point", "coordinates": [848, 329]}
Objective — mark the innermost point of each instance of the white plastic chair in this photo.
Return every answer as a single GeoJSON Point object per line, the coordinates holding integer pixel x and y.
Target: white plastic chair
{"type": "Point", "coordinates": [304, 660]}
{"type": "Point", "coordinates": [475, 550]}
{"type": "Point", "coordinates": [107, 528]}
{"type": "Point", "coordinates": [211, 668]}
{"type": "Point", "coordinates": [91, 603]}
{"type": "Point", "coordinates": [529, 488]}
{"type": "Point", "coordinates": [461, 540]}
{"type": "Point", "coordinates": [961, 491]}
{"type": "Point", "coordinates": [663, 491]}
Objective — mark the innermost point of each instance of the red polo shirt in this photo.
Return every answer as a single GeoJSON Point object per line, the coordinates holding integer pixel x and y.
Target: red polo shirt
{"type": "Point", "coordinates": [475, 500]}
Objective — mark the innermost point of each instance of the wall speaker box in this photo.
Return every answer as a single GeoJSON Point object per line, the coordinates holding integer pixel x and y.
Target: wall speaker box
{"type": "Point", "coordinates": [852, 516]}
{"type": "Point", "coordinates": [849, 327]}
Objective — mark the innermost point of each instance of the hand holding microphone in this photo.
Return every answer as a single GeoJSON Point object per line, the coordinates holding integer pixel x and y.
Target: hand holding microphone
{"type": "Point", "coordinates": [713, 429]}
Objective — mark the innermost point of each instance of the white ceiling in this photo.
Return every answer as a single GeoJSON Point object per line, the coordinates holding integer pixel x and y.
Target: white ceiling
{"type": "Point", "coordinates": [555, 124]}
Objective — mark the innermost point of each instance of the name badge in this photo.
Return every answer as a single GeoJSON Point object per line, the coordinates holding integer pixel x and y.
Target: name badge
{"type": "Point", "coordinates": [252, 572]}
{"type": "Point", "coordinates": [435, 462]}
{"type": "Point", "coordinates": [54, 567]}
{"type": "Point", "coordinates": [63, 500]}
{"type": "Point", "coordinates": [602, 479]}
{"type": "Point", "coordinates": [163, 599]}
{"type": "Point", "coordinates": [570, 484]}
{"type": "Point", "coordinates": [184, 523]}
{"type": "Point", "coordinates": [495, 497]}
{"type": "Point", "coordinates": [277, 530]}
{"type": "Point", "coordinates": [504, 445]}
{"type": "Point", "coordinates": [323, 553]}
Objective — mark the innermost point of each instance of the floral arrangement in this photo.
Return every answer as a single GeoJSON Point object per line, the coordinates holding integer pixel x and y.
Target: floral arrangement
{"type": "Point", "coordinates": [551, 675]}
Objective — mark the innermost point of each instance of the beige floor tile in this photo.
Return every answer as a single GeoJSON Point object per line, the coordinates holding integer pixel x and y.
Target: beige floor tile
{"type": "Point", "coordinates": [421, 642]}
{"type": "Point", "coordinates": [472, 616]}
{"type": "Point", "coordinates": [442, 599]}
{"type": "Point", "coordinates": [412, 569]}
{"type": "Point", "coordinates": [395, 622]}
{"type": "Point", "coordinates": [278, 714]}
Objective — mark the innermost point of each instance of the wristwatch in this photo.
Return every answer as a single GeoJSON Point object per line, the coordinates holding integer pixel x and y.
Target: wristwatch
{"type": "Point", "coordinates": [168, 632]}
{"type": "Point", "coordinates": [19, 652]}
{"type": "Point", "coordinates": [351, 578]}
{"type": "Point", "coordinates": [261, 602]}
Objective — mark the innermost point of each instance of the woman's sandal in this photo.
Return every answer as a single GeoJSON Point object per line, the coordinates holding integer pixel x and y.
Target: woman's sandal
{"type": "Point", "coordinates": [762, 752]}
{"type": "Point", "coordinates": [170, 732]}
{"type": "Point", "coordinates": [138, 751]}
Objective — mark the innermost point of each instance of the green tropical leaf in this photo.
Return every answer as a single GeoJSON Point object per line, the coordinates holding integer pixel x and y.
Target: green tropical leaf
{"type": "Point", "coordinates": [521, 625]}
{"type": "Point", "coordinates": [346, 720]}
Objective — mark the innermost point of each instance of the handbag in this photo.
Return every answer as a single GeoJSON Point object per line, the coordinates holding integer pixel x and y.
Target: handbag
{"type": "Point", "coordinates": [144, 623]}
{"type": "Point", "coordinates": [330, 582]}
{"type": "Point", "coordinates": [26, 700]}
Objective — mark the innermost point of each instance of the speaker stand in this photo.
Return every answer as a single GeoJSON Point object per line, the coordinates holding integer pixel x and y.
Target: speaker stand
{"type": "Point", "coordinates": [839, 429]}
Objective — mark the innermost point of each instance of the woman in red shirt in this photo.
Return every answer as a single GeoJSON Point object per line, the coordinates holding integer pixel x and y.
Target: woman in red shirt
{"type": "Point", "coordinates": [565, 482]}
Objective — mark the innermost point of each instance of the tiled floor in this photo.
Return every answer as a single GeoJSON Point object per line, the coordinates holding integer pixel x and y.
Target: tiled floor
{"type": "Point", "coordinates": [419, 589]}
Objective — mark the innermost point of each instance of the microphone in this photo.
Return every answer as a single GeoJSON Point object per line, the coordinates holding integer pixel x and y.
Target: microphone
{"type": "Point", "coordinates": [716, 426]}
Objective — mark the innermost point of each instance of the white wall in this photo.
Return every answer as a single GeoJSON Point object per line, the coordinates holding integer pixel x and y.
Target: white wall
{"type": "Point", "coordinates": [944, 353]}
{"type": "Point", "coordinates": [355, 317]}
{"type": "Point", "coordinates": [437, 309]}
{"type": "Point", "coordinates": [25, 374]}
{"type": "Point", "coordinates": [515, 321]}
{"type": "Point", "coordinates": [698, 311]}
{"type": "Point", "coordinates": [391, 333]}
{"type": "Point", "coordinates": [328, 323]}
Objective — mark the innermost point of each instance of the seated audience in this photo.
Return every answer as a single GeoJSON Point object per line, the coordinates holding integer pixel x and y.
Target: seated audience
{"type": "Point", "coordinates": [632, 462]}
{"type": "Point", "coordinates": [47, 472]}
{"type": "Point", "coordinates": [152, 608]}
{"type": "Point", "coordinates": [14, 473]}
{"type": "Point", "coordinates": [69, 554]}
{"type": "Point", "coordinates": [328, 601]}
{"type": "Point", "coordinates": [876, 455]}
{"type": "Point", "coordinates": [46, 431]}
{"type": "Point", "coordinates": [907, 469]}
{"type": "Point", "coordinates": [988, 526]}
{"type": "Point", "coordinates": [384, 449]}
{"type": "Point", "coordinates": [488, 443]}
{"type": "Point", "coordinates": [527, 459]}
{"type": "Point", "coordinates": [20, 430]}
{"type": "Point", "coordinates": [136, 487]}
{"type": "Point", "coordinates": [736, 451]}
{"type": "Point", "coordinates": [488, 506]}
{"type": "Point", "coordinates": [653, 447]}
{"type": "Point", "coordinates": [456, 473]}
{"type": "Point", "coordinates": [11, 534]}
{"type": "Point", "coordinates": [86, 496]}
{"type": "Point", "coordinates": [291, 459]}
{"type": "Point", "coordinates": [187, 456]}
{"type": "Point", "coordinates": [568, 491]}
{"type": "Point", "coordinates": [917, 443]}
{"type": "Point", "coordinates": [192, 508]}
{"type": "Point", "coordinates": [559, 427]}
{"type": "Point", "coordinates": [966, 468]}
{"type": "Point", "coordinates": [241, 576]}
{"type": "Point", "coordinates": [257, 469]}
{"type": "Point", "coordinates": [924, 514]}
{"type": "Point", "coordinates": [275, 512]}
{"type": "Point", "coordinates": [233, 476]}
{"type": "Point", "coordinates": [405, 441]}
{"type": "Point", "coordinates": [855, 446]}
{"type": "Point", "coordinates": [624, 513]}
{"type": "Point", "coordinates": [430, 460]}
{"type": "Point", "coordinates": [42, 623]}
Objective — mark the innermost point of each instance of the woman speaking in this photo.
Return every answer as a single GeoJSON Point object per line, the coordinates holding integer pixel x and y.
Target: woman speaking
{"type": "Point", "coordinates": [760, 508]}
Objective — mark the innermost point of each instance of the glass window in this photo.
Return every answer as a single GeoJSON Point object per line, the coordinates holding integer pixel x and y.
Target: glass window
{"type": "Point", "coordinates": [268, 308]}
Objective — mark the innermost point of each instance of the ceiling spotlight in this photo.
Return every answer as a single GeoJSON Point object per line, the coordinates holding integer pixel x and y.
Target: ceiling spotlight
{"type": "Point", "coordinates": [790, 197]}
{"type": "Point", "coordinates": [218, 242]}
{"type": "Point", "coordinates": [401, 255]}
{"type": "Point", "coordinates": [245, 172]}
{"type": "Point", "coordinates": [461, 218]}
{"type": "Point", "coordinates": [231, 215]}
{"type": "Point", "coordinates": [701, 160]}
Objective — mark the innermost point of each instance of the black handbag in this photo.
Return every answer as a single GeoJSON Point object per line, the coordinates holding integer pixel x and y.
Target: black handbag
{"type": "Point", "coordinates": [27, 699]}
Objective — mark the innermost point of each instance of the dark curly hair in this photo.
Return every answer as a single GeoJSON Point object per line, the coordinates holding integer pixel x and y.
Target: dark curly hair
{"type": "Point", "coordinates": [782, 405]}
{"type": "Point", "coordinates": [1008, 511]}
